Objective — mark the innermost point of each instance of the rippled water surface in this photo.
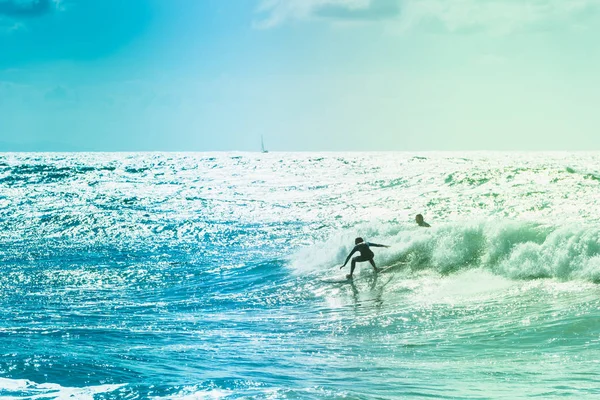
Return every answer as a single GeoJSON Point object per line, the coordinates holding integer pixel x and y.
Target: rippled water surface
{"type": "Point", "coordinates": [162, 275]}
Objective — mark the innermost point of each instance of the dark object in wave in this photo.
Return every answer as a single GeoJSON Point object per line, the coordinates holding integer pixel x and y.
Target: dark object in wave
{"type": "Point", "coordinates": [421, 222]}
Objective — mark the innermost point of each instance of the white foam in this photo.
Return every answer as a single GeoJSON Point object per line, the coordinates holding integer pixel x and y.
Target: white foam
{"type": "Point", "coordinates": [18, 388]}
{"type": "Point", "coordinates": [516, 250]}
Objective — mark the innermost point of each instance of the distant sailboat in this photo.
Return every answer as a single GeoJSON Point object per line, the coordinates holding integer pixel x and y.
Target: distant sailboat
{"type": "Point", "coordinates": [262, 145]}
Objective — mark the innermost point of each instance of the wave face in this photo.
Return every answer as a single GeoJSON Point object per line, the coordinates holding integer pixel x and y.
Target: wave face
{"type": "Point", "coordinates": [216, 275]}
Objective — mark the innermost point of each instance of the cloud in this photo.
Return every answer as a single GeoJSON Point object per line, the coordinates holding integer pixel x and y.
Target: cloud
{"type": "Point", "coordinates": [455, 16]}
{"type": "Point", "coordinates": [374, 10]}
{"type": "Point", "coordinates": [495, 16]}
{"type": "Point", "coordinates": [280, 11]}
{"type": "Point", "coordinates": [27, 8]}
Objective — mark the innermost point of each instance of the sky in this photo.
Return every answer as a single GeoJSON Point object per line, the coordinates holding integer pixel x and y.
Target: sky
{"type": "Point", "coordinates": [307, 75]}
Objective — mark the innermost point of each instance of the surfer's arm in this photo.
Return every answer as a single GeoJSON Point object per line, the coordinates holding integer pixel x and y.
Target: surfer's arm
{"type": "Point", "coordinates": [349, 255]}
{"type": "Point", "coordinates": [377, 245]}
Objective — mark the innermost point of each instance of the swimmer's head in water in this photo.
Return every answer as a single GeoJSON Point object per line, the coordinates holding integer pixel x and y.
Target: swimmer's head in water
{"type": "Point", "coordinates": [358, 240]}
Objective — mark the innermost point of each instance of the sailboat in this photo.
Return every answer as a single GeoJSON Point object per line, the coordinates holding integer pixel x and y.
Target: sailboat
{"type": "Point", "coordinates": [262, 145]}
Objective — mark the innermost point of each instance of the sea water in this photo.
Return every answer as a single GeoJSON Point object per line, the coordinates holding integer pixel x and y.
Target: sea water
{"type": "Point", "coordinates": [216, 275]}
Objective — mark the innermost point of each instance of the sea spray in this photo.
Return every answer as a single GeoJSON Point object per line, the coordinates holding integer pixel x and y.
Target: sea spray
{"type": "Point", "coordinates": [513, 250]}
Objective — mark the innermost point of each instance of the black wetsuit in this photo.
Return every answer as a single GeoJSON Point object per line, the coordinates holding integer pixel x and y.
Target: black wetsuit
{"type": "Point", "coordinates": [365, 252]}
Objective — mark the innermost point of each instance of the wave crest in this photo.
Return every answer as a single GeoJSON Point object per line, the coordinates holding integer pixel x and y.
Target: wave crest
{"type": "Point", "coordinates": [517, 250]}
{"type": "Point", "coordinates": [513, 250]}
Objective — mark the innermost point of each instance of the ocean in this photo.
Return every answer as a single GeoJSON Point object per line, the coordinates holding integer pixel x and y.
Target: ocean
{"type": "Point", "coordinates": [216, 275]}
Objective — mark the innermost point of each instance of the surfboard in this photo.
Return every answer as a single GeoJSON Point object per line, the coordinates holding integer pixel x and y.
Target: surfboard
{"type": "Point", "coordinates": [381, 270]}
{"type": "Point", "coordinates": [362, 279]}
{"type": "Point", "coordinates": [342, 280]}
{"type": "Point", "coordinates": [339, 280]}
{"type": "Point", "coordinates": [334, 280]}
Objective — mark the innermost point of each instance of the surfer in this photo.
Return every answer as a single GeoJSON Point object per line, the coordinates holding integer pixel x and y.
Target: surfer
{"type": "Point", "coordinates": [365, 255]}
{"type": "Point", "coordinates": [421, 222]}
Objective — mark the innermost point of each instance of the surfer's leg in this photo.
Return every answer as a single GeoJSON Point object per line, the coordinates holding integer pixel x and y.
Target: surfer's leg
{"type": "Point", "coordinates": [353, 265]}
{"type": "Point", "coordinates": [373, 265]}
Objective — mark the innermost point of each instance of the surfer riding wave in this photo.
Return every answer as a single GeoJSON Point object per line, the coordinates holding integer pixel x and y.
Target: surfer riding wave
{"type": "Point", "coordinates": [366, 254]}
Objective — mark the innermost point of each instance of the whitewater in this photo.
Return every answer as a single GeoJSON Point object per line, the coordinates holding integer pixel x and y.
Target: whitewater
{"type": "Point", "coordinates": [216, 275]}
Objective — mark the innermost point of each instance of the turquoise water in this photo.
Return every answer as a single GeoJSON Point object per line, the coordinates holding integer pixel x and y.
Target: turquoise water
{"type": "Point", "coordinates": [217, 276]}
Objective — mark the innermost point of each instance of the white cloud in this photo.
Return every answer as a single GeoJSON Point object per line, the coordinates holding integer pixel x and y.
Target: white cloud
{"type": "Point", "coordinates": [493, 16]}
{"type": "Point", "coordinates": [280, 11]}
